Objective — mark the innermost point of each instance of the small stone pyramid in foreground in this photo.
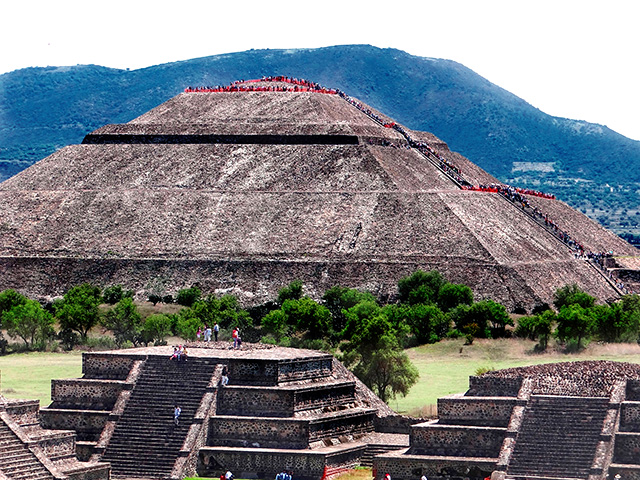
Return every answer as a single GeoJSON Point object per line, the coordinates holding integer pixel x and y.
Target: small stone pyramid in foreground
{"type": "Point", "coordinates": [574, 420]}
{"type": "Point", "coordinates": [244, 191]}
{"type": "Point", "coordinates": [282, 408]}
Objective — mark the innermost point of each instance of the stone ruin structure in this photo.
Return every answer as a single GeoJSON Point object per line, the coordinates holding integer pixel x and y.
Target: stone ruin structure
{"type": "Point", "coordinates": [283, 408]}
{"type": "Point", "coordinates": [574, 420]}
{"type": "Point", "coordinates": [30, 452]}
{"type": "Point", "coordinates": [244, 191]}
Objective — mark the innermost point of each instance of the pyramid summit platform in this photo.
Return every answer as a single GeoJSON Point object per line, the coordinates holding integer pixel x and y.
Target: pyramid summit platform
{"type": "Point", "coordinates": [245, 188]}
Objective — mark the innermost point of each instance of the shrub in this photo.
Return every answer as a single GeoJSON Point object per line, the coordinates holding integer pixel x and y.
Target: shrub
{"type": "Point", "coordinates": [188, 296]}
{"type": "Point", "coordinates": [115, 293]}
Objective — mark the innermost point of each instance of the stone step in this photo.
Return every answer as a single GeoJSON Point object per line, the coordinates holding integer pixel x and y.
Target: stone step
{"type": "Point", "coordinates": [145, 442]}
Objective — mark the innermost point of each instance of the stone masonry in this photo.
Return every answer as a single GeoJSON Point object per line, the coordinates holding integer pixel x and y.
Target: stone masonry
{"type": "Point", "coordinates": [243, 192]}
{"type": "Point", "coordinates": [576, 420]}
{"type": "Point", "coordinates": [29, 452]}
{"type": "Point", "coordinates": [282, 408]}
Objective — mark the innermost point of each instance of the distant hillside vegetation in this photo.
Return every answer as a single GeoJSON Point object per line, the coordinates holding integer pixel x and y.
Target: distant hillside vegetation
{"type": "Point", "coordinates": [590, 166]}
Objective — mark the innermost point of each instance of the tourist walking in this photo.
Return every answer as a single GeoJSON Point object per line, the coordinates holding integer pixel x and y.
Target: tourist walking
{"type": "Point", "coordinates": [176, 414]}
{"type": "Point", "coordinates": [216, 329]}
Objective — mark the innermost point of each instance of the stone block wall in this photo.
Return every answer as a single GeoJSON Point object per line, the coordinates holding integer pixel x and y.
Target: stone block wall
{"type": "Point", "coordinates": [259, 464]}
{"type": "Point", "coordinates": [258, 432]}
{"type": "Point", "coordinates": [273, 372]}
{"type": "Point", "coordinates": [266, 463]}
{"type": "Point", "coordinates": [411, 467]}
{"type": "Point", "coordinates": [107, 366]}
{"type": "Point", "coordinates": [633, 390]}
{"type": "Point", "coordinates": [301, 369]}
{"type": "Point", "coordinates": [346, 424]}
{"type": "Point", "coordinates": [87, 394]}
{"type": "Point", "coordinates": [630, 416]}
{"type": "Point", "coordinates": [55, 446]}
{"type": "Point", "coordinates": [627, 446]}
{"type": "Point", "coordinates": [24, 412]}
{"type": "Point", "coordinates": [253, 372]}
{"type": "Point", "coordinates": [263, 402]}
{"type": "Point", "coordinates": [400, 424]}
{"type": "Point", "coordinates": [488, 411]}
{"type": "Point", "coordinates": [493, 387]}
{"type": "Point", "coordinates": [87, 424]}
{"type": "Point", "coordinates": [323, 396]}
{"type": "Point", "coordinates": [467, 441]}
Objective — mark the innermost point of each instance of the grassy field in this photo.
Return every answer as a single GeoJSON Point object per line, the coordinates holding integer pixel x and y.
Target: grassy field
{"type": "Point", "coordinates": [28, 375]}
{"type": "Point", "coordinates": [444, 368]}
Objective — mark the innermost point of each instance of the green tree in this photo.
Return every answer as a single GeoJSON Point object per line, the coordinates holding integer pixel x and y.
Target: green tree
{"type": "Point", "coordinates": [575, 323]}
{"type": "Point", "coordinates": [570, 295]}
{"type": "Point", "coordinates": [428, 323]}
{"type": "Point", "coordinates": [491, 318]}
{"type": "Point", "coordinates": [375, 356]}
{"type": "Point", "coordinates": [308, 317]}
{"type": "Point", "coordinates": [358, 317]}
{"type": "Point", "coordinates": [338, 298]}
{"type": "Point", "coordinates": [225, 310]}
{"type": "Point", "coordinates": [275, 323]}
{"type": "Point", "coordinates": [156, 328]}
{"type": "Point", "coordinates": [125, 322]}
{"type": "Point", "coordinates": [115, 293]}
{"type": "Point", "coordinates": [293, 291]}
{"type": "Point", "coordinates": [451, 295]}
{"type": "Point", "coordinates": [614, 323]}
{"type": "Point", "coordinates": [188, 296]}
{"type": "Point", "coordinates": [537, 327]}
{"type": "Point", "coordinates": [9, 299]}
{"type": "Point", "coordinates": [78, 310]}
{"type": "Point", "coordinates": [30, 322]}
{"type": "Point", "coordinates": [188, 324]}
{"type": "Point", "coordinates": [420, 287]}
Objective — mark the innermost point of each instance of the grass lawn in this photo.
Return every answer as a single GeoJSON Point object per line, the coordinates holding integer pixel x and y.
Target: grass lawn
{"type": "Point", "coordinates": [444, 368]}
{"type": "Point", "coordinates": [28, 375]}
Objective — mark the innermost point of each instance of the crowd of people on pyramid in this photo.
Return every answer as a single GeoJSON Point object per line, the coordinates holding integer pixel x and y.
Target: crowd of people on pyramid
{"type": "Point", "coordinates": [299, 85]}
{"type": "Point", "coordinates": [509, 190]}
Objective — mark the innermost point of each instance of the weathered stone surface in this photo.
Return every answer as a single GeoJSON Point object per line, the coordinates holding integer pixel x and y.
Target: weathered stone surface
{"type": "Point", "coordinates": [243, 192]}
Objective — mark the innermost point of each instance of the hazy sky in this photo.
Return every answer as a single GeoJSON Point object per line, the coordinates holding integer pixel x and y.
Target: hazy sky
{"type": "Point", "coordinates": [578, 59]}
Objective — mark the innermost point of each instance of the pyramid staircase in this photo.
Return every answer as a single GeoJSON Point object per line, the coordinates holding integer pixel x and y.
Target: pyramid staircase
{"type": "Point", "coordinates": [559, 437]}
{"type": "Point", "coordinates": [16, 460]}
{"type": "Point", "coordinates": [28, 451]}
{"type": "Point", "coordinates": [145, 442]}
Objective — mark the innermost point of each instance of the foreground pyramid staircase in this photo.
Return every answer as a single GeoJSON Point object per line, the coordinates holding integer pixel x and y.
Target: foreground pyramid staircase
{"type": "Point", "coordinates": [297, 409]}
{"type": "Point", "coordinates": [578, 420]}
{"type": "Point", "coordinates": [146, 425]}
{"type": "Point", "coordinates": [29, 452]}
{"type": "Point", "coordinates": [559, 437]}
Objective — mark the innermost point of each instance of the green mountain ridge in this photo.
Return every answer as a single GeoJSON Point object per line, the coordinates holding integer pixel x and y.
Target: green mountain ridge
{"type": "Point", "coordinates": [589, 166]}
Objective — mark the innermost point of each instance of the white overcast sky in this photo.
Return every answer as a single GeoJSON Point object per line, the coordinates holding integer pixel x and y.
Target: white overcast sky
{"type": "Point", "coordinates": [578, 59]}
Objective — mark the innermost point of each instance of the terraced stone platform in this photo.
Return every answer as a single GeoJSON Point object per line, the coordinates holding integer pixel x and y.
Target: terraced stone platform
{"type": "Point", "coordinates": [281, 407]}
{"type": "Point", "coordinates": [29, 452]}
{"type": "Point", "coordinates": [576, 420]}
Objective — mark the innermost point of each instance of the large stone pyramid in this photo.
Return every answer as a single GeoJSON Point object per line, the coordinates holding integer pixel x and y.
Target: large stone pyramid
{"type": "Point", "coordinates": [245, 188]}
